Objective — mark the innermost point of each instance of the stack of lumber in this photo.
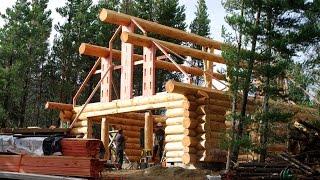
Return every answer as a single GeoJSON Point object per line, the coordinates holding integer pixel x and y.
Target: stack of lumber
{"type": "Point", "coordinates": [52, 165]}
{"type": "Point", "coordinates": [80, 147]}
{"type": "Point", "coordinates": [10, 163]}
{"type": "Point", "coordinates": [61, 165]}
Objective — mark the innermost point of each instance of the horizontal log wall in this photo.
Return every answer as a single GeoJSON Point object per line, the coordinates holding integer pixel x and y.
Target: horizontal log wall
{"type": "Point", "coordinates": [193, 135]}
{"type": "Point", "coordinates": [131, 123]}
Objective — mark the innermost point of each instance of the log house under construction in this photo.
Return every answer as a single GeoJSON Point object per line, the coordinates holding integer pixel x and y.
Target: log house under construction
{"type": "Point", "coordinates": [194, 116]}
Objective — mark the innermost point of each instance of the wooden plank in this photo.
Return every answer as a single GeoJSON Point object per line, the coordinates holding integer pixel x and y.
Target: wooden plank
{"type": "Point", "coordinates": [80, 147]}
{"type": "Point", "coordinates": [34, 130]}
{"type": "Point", "coordinates": [61, 165]}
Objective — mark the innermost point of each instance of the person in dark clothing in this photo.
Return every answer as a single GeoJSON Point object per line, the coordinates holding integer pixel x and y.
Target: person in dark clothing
{"type": "Point", "coordinates": [158, 141]}
{"type": "Point", "coordinates": [120, 145]}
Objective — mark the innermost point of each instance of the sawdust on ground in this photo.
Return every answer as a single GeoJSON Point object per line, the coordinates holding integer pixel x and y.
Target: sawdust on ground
{"type": "Point", "coordinates": [158, 172]}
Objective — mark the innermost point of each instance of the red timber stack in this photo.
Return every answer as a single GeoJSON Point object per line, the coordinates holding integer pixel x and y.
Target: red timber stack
{"type": "Point", "coordinates": [52, 165]}
{"type": "Point", "coordinates": [80, 147]}
{"type": "Point", "coordinates": [79, 159]}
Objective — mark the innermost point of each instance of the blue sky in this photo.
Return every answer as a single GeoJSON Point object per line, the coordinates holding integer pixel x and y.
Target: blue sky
{"type": "Point", "coordinates": [215, 10]}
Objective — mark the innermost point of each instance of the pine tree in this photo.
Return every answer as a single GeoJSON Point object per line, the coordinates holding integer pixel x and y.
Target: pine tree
{"type": "Point", "coordinates": [245, 20]}
{"type": "Point", "coordinates": [82, 25]}
{"type": "Point", "coordinates": [128, 7]}
{"type": "Point", "coordinates": [145, 9]}
{"type": "Point", "coordinates": [276, 57]}
{"type": "Point", "coordinates": [169, 13]}
{"type": "Point", "coordinates": [268, 29]}
{"type": "Point", "coordinates": [308, 40]}
{"type": "Point", "coordinates": [23, 51]}
{"type": "Point", "coordinates": [201, 26]}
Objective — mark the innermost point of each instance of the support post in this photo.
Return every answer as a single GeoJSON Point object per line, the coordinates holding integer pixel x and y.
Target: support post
{"type": "Point", "coordinates": [105, 136]}
{"type": "Point", "coordinates": [127, 66]}
{"type": "Point", "coordinates": [148, 131]}
{"type": "Point", "coordinates": [106, 96]}
{"type": "Point", "coordinates": [89, 130]}
{"type": "Point", "coordinates": [149, 71]}
{"type": "Point", "coordinates": [208, 66]}
{"type": "Point", "coordinates": [106, 86]}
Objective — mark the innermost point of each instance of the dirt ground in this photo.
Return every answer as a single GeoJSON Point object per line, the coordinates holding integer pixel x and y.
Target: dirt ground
{"type": "Point", "coordinates": [158, 172]}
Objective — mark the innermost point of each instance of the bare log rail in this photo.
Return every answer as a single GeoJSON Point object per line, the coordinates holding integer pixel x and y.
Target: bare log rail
{"type": "Point", "coordinates": [59, 106]}
{"type": "Point", "coordinates": [113, 17]}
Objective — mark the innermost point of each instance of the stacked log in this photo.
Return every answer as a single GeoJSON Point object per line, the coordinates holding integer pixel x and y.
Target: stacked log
{"type": "Point", "coordinates": [190, 140]}
{"type": "Point", "coordinates": [52, 165]}
{"type": "Point", "coordinates": [101, 109]}
{"type": "Point", "coordinates": [80, 147]}
{"type": "Point", "coordinates": [179, 116]}
{"type": "Point", "coordinates": [131, 125]}
{"type": "Point", "coordinates": [211, 127]}
{"type": "Point", "coordinates": [202, 125]}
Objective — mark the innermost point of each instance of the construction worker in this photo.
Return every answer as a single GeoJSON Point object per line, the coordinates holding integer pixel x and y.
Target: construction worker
{"type": "Point", "coordinates": [120, 145]}
{"type": "Point", "coordinates": [158, 141]}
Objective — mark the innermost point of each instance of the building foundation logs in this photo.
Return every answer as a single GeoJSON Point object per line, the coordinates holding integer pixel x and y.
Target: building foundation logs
{"type": "Point", "coordinates": [193, 133]}
{"type": "Point", "coordinates": [194, 121]}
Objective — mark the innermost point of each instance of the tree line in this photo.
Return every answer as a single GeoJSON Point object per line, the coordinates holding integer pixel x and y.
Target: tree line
{"type": "Point", "coordinates": [267, 37]}
{"type": "Point", "coordinates": [34, 70]}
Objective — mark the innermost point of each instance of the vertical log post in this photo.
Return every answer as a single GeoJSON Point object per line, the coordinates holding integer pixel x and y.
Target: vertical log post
{"type": "Point", "coordinates": [106, 96]}
{"type": "Point", "coordinates": [149, 71]}
{"type": "Point", "coordinates": [208, 66]}
{"type": "Point", "coordinates": [105, 136]}
{"type": "Point", "coordinates": [127, 66]}
{"type": "Point", "coordinates": [89, 130]}
{"type": "Point", "coordinates": [148, 131]}
{"type": "Point", "coordinates": [106, 86]}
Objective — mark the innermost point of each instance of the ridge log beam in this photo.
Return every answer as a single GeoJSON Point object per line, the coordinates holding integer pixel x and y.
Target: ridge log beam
{"type": "Point", "coordinates": [113, 17]}
{"type": "Point", "coordinates": [140, 40]}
